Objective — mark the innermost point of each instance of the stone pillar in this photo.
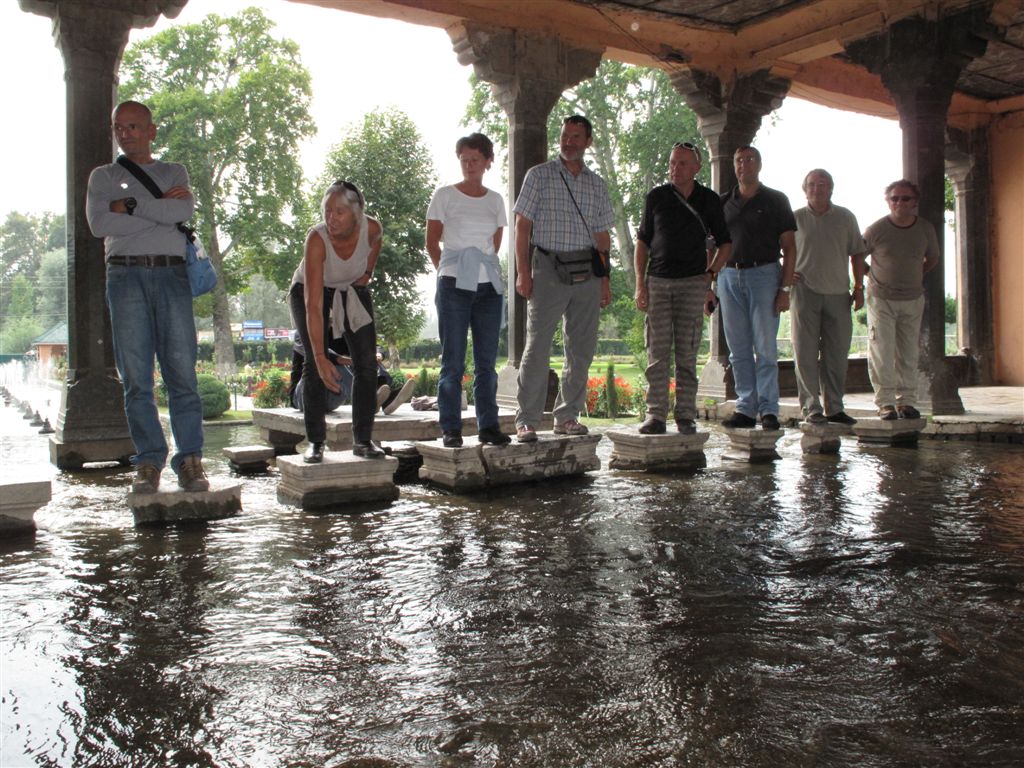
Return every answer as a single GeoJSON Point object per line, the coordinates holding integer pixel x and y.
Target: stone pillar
{"type": "Point", "coordinates": [967, 164]}
{"type": "Point", "coordinates": [527, 73]}
{"type": "Point", "coordinates": [728, 116]}
{"type": "Point", "coordinates": [919, 62]}
{"type": "Point", "coordinates": [91, 36]}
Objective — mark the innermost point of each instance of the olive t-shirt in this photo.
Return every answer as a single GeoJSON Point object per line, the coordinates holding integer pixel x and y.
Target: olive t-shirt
{"type": "Point", "coordinates": [897, 258]}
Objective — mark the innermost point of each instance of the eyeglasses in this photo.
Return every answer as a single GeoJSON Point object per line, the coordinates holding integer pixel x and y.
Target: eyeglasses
{"type": "Point", "coordinates": [902, 199]}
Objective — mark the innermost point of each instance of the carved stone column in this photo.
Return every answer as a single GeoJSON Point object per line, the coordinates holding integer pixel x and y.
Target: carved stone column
{"type": "Point", "coordinates": [728, 116]}
{"type": "Point", "coordinates": [528, 74]}
{"type": "Point", "coordinates": [91, 36]}
{"type": "Point", "coordinates": [919, 62]}
{"type": "Point", "coordinates": [967, 164]}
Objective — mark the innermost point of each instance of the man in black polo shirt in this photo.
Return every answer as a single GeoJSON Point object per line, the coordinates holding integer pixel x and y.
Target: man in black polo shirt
{"type": "Point", "coordinates": [682, 225]}
{"type": "Point", "coordinates": [754, 289]}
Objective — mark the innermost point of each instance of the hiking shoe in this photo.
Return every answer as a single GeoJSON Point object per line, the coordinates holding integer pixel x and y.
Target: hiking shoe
{"type": "Point", "coordinates": [493, 436]}
{"type": "Point", "coordinates": [908, 412]}
{"type": "Point", "coordinates": [887, 413]}
{"type": "Point", "coordinates": [383, 393]}
{"type": "Point", "coordinates": [400, 397]}
{"type": "Point", "coordinates": [816, 418]}
{"type": "Point", "coordinates": [686, 426]}
{"type": "Point", "coordinates": [842, 418]}
{"type": "Point", "coordinates": [526, 434]}
{"type": "Point", "coordinates": [191, 476]}
{"type": "Point", "coordinates": [739, 421]}
{"type": "Point", "coordinates": [770, 422]}
{"type": "Point", "coordinates": [147, 478]}
{"type": "Point", "coordinates": [652, 426]}
{"type": "Point", "coordinates": [571, 427]}
{"type": "Point", "coordinates": [452, 439]}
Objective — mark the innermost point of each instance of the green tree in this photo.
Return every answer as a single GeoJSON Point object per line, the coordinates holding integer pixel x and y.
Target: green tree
{"type": "Point", "coordinates": [24, 239]}
{"type": "Point", "coordinates": [52, 288]}
{"type": "Point", "coordinates": [263, 300]}
{"type": "Point", "coordinates": [17, 335]}
{"type": "Point", "coordinates": [23, 298]}
{"type": "Point", "coordinates": [232, 104]}
{"type": "Point", "coordinates": [385, 157]}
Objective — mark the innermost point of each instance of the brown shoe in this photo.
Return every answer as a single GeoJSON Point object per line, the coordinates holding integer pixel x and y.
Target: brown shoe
{"type": "Point", "coordinates": [147, 479]}
{"type": "Point", "coordinates": [887, 413]}
{"type": "Point", "coordinates": [570, 427]}
{"type": "Point", "coordinates": [526, 434]}
{"type": "Point", "coordinates": [191, 476]}
{"type": "Point", "coordinates": [908, 412]}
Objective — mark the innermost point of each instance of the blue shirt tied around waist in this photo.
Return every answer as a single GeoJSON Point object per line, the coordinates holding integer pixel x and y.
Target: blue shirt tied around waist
{"type": "Point", "coordinates": [467, 262]}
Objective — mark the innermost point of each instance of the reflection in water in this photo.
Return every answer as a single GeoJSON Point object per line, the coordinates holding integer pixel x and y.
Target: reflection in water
{"type": "Point", "coordinates": [855, 610]}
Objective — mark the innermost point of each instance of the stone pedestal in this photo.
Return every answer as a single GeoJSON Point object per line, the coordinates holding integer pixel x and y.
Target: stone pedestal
{"type": "Point", "coordinates": [895, 432]}
{"type": "Point", "coordinates": [77, 453]}
{"type": "Point", "coordinates": [475, 466]}
{"type": "Point", "coordinates": [178, 507]}
{"type": "Point", "coordinates": [336, 484]}
{"type": "Point", "coordinates": [249, 459]}
{"type": "Point", "coordinates": [19, 504]}
{"type": "Point", "coordinates": [656, 452]}
{"type": "Point", "coordinates": [752, 445]}
{"type": "Point", "coordinates": [822, 438]}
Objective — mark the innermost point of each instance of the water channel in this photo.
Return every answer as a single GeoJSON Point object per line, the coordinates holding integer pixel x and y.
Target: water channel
{"type": "Point", "coordinates": [861, 610]}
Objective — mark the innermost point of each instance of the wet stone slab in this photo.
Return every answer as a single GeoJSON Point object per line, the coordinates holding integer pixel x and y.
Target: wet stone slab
{"type": "Point", "coordinates": [634, 451]}
{"type": "Point", "coordinates": [18, 505]}
{"type": "Point", "coordinates": [894, 432]}
{"type": "Point", "coordinates": [822, 438]}
{"type": "Point", "coordinates": [249, 459]}
{"type": "Point", "coordinates": [475, 466]}
{"type": "Point", "coordinates": [752, 445]}
{"type": "Point", "coordinates": [176, 507]}
{"type": "Point", "coordinates": [338, 482]}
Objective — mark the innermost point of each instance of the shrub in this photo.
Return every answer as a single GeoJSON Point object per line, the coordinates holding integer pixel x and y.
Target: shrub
{"type": "Point", "coordinates": [214, 395]}
{"type": "Point", "coordinates": [272, 390]}
{"type": "Point", "coordinates": [622, 397]}
{"type": "Point", "coordinates": [426, 383]}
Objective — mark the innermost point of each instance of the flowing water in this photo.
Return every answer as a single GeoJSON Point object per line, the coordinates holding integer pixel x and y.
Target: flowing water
{"type": "Point", "coordinates": [861, 610]}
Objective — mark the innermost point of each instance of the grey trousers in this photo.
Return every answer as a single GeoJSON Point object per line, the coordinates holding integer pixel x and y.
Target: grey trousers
{"type": "Point", "coordinates": [894, 332]}
{"type": "Point", "coordinates": [675, 319]}
{"type": "Point", "coordinates": [579, 307]}
{"type": "Point", "coordinates": [822, 328]}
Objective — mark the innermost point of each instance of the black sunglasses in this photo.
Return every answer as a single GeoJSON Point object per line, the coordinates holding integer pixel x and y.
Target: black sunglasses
{"type": "Point", "coordinates": [902, 198]}
{"type": "Point", "coordinates": [351, 188]}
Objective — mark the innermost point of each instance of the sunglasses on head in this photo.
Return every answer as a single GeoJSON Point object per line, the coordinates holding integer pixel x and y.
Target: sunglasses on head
{"type": "Point", "coordinates": [902, 198]}
{"type": "Point", "coordinates": [687, 145]}
{"type": "Point", "coordinates": [350, 187]}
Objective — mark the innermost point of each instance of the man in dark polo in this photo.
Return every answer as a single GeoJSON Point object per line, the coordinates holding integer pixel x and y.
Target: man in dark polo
{"type": "Point", "coordinates": [681, 230]}
{"type": "Point", "coordinates": [753, 289]}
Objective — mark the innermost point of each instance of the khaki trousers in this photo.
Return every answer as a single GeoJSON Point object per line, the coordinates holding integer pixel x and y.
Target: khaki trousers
{"type": "Point", "coordinates": [674, 320]}
{"type": "Point", "coordinates": [894, 330]}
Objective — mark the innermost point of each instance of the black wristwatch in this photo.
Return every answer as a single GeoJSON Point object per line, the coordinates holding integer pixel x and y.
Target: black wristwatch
{"type": "Point", "coordinates": [129, 205]}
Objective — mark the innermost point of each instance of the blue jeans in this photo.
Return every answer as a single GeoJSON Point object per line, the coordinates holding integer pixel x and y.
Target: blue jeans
{"type": "Point", "coordinates": [747, 298]}
{"type": "Point", "coordinates": [151, 315]}
{"type": "Point", "coordinates": [458, 311]}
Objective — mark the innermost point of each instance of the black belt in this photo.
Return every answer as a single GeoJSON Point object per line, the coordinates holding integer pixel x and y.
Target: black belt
{"type": "Point", "coordinates": [150, 260]}
{"type": "Point", "coordinates": [744, 265]}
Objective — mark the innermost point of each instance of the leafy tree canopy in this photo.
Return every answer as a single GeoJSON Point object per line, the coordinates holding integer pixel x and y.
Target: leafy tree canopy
{"type": "Point", "coordinates": [386, 158]}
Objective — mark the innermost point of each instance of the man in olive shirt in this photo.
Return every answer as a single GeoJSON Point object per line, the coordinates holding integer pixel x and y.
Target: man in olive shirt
{"type": "Point", "coordinates": [903, 249]}
{"type": "Point", "coordinates": [828, 241]}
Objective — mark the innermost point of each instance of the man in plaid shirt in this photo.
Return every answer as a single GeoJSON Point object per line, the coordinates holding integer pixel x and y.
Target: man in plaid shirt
{"type": "Point", "coordinates": [563, 218]}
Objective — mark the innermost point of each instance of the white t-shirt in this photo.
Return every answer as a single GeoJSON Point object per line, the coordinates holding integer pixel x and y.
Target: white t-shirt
{"type": "Point", "coordinates": [469, 222]}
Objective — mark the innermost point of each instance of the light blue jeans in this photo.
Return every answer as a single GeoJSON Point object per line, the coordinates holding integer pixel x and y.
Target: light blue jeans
{"type": "Point", "coordinates": [747, 299]}
{"type": "Point", "coordinates": [151, 315]}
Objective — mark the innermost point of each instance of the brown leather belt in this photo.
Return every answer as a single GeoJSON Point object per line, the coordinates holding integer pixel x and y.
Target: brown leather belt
{"type": "Point", "coordinates": [149, 260]}
{"type": "Point", "coordinates": [741, 265]}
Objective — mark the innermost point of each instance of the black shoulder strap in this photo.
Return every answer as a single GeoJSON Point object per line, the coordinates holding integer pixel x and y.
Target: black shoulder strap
{"type": "Point", "coordinates": [577, 205]}
{"type": "Point", "coordinates": [690, 208]}
{"type": "Point", "coordinates": [133, 168]}
{"type": "Point", "coordinates": [141, 175]}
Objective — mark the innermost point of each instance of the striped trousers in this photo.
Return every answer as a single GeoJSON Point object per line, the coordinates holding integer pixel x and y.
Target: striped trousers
{"type": "Point", "coordinates": [675, 321]}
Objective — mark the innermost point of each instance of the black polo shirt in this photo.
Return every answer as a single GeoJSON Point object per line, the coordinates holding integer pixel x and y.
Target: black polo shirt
{"type": "Point", "coordinates": [672, 234]}
{"type": "Point", "coordinates": [756, 224]}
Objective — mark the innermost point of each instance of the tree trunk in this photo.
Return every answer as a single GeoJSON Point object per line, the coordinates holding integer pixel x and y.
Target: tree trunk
{"type": "Point", "coordinates": [394, 360]}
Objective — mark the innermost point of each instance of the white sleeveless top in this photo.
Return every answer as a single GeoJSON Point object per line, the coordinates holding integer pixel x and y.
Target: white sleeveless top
{"type": "Point", "coordinates": [338, 272]}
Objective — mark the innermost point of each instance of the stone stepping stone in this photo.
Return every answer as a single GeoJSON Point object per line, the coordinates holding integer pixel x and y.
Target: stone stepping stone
{"type": "Point", "coordinates": [634, 451]}
{"type": "Point", "coordinates": [18, 505]}
{"type": "Point", "coordinates": [337, 483]}
{"type": "Point", "coordinates": [895, 432]}
{"type": "Point", "coordinates": [249, 459]}
{"type": "Point", "coordinates": [822, 438]}
{"type": "Point", "coordinates": [752, 445]}
{"type": "Point", "coordinates": [176, 507]}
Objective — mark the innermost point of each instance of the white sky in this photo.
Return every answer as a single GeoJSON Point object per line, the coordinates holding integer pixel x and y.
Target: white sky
{"type": "Point", "coordinates": [360, 63]}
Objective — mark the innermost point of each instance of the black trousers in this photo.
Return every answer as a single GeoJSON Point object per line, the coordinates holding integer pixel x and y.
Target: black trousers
{"type": "Point", "coordinates": [362, 345]}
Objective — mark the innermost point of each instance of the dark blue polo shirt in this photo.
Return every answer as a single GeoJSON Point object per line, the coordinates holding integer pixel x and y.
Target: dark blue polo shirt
{"type": "Point", "coordinates": [756, 224]}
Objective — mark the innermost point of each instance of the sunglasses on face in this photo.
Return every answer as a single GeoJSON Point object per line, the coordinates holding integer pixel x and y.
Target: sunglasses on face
{"type": "Point", "coordinates": [902, 199]}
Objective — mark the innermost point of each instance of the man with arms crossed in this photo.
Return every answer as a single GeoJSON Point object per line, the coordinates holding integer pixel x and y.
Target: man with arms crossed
{"type": "Point", "coordinates": [562, 213]}
{"type": "Point", "coordinates": [150, 299]}
{"type": "Point", "coordinates": [828, 241]}
{"type": "Point", "coordinates": [903, 249]}
{"type": "Point", "coordinates": [754, 289]}
{"type": "Point", "coordinates": [681, 227]}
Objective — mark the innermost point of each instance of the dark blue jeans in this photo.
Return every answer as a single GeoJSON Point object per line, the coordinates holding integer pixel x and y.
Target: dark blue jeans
{"type": "Point", "coordinates": [459, 311]}
{"type": "Point", "coordinates": [362, 345]}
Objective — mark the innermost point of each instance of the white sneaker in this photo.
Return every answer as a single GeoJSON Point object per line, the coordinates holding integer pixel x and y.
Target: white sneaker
{"type": "Point", "coordinates": [404, 396]}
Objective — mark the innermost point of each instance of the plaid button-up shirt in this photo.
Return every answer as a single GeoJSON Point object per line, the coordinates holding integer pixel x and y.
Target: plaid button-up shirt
{"type": "Point", "coordinates": [544, 200]}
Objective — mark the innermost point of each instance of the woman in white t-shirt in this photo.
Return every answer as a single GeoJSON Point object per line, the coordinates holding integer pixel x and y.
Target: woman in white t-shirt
{"type": "Point", "coordinates": [468, 218]}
